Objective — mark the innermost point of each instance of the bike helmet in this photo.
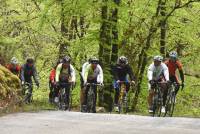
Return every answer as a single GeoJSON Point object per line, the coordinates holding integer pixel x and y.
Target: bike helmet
{"type": "Point", "coordinates": [66, 59]}
{"type": "Point", "coordinates": [30, 60]}
{"type": "Point", "coordinates": [173, 55]}
{"type": "Point", "coordinates": [14, 61]}
{"type": "Point", "coordinates": [94, 60]}
{"type": "Point", "coordinates": [158, 58]}
{"type": "Point", "coordinates": [122, 60]}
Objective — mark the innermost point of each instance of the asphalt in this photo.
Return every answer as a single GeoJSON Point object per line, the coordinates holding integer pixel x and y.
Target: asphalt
{"type": "Point", "coordinates": [64, 122]}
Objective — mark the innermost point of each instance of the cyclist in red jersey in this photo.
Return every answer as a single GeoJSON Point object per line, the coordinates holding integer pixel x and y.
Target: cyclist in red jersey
{"type": "Point", "coordinates": [14, 66]}
{"type": "Point", "coordinates": [173, 64]}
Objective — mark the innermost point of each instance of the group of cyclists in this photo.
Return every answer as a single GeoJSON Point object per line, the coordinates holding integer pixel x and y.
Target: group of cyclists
{"type": "Point", "coordinates": [91, 72]}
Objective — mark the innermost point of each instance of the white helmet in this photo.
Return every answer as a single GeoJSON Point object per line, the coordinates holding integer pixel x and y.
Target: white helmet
{"type": "Point", "coordinates": [122, 60]}
{"type": "Point", "coordinates": [14, 60]}
{"type": "Point", "coordinates": [173, 55]}
{"type": "Point", "coordinates": [158, 58]}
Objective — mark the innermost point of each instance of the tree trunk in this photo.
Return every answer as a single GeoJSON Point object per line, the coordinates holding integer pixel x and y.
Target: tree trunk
{"type": "Point", "coordinates": [105, 51]}
{"type": "Point", "coordinates": [64, 31]}
{"type": "Point", "coordinates": [163, 29]}
{"type": "Point", "coordinates": [143, 56]}
{"type": "Point", "coordinates": [114, 19]}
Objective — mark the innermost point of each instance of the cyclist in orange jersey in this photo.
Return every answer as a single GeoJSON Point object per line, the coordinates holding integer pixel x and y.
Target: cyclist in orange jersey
{"type": "Point", "coordinates": [173, 64]}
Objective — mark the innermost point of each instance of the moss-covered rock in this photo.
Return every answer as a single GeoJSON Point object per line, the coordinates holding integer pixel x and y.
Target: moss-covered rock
{"type": "Point", "coordinates": [9, 87]}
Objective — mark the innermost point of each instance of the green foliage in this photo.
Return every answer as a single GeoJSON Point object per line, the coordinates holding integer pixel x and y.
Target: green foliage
{"type": "Point", "coordinates": [33, 28]}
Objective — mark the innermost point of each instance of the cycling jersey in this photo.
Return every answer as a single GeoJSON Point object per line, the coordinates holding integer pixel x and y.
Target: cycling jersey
{"type": "Point", "coordinates": [172, 66]}
{"type": "Point", "coordinates": [52, 75]}
{"type": "Point", "coordinates": [14, 69]}
{"type": "Point", "coordinates": [155, 72]}
{"type": "Point", "coordinates": [97, 73]}
{"type": "Point", "coordinates": [27, 72]}
{"type": "Point", "coordinates": [62, 72]}
{"type": "Point", "coordinates": [121, 72]}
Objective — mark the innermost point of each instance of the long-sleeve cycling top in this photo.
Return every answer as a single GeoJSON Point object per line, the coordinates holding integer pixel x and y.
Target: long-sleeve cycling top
{"type": "Point", "coordinates": [155, 72]}
{"type": "Point", "coordinates": [97, 73]}
{"type": "Point", "coordinates": [121, 72]}
{"type": "Point", "coordinates": [70, 70]}
{"type": "Point", "coordinates": [83, 68]}
{"type": "Point", "coordinates": [27, 72]}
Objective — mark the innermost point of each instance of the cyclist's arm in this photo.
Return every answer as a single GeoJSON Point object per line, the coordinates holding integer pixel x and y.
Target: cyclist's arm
{"type": "Point", "coordinates": [52, 75]}
{"type": "Point", "coordinates": [73, 73]}
{"type": "Point", "coordinates": [180, 68]}
{"type": "Point", "coordinates": [58, 69]}
{"type": "Point", "coordinates": [22, 73]}
{"type": "Point", "coordinates": [86, 73]}
{"type": "Point", "coordinates": [83, 68]}
{"type": "Point", "coordinates": [35, 75]}
{"type": "Point", "coordinates": [100, 75]}
{"type": "Point", "coordinates": [130, 73]}
{"type": "Point", "coordinates": [181, 75]}
{"type": "Point", "coordinates": [115, 75]}
{"type": "Point", "coordinates": [150, 72]}
{"type": "Point", "coordinates": [166, 71]}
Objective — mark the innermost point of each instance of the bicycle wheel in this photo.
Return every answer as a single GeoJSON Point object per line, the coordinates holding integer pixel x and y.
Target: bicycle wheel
{"type": "Point", "coordinates": [90, 100]}
{"type": "Point", "coordinates": [27, 94]}
{"type": "Point", "coordinates": [157, 105]}
{"type": "Point", "coordinates": [173, 99]}
{"type": "Point", "coordinates": [70, 100]}
{"type": "Point", "coordinates": [125, 104]}
{"type": "Point", "coordinates": [62, 99]}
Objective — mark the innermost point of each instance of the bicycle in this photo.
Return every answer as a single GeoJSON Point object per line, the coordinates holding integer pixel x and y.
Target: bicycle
{"type": "Point", "coordinates": [91, 97]}
{"type": "Point", "coordinates": [122, 100]}
{"type": "Point", "coordinates": [157, 99]}
{"type": "Point", "coordinates": [27, 89]}
{"type": "Point", "coordinates": [171, 99]}
{"type": "Point", "coordinates": [64, 96]}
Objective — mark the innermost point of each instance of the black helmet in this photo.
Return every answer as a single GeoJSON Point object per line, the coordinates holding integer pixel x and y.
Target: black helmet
{"type": "Point", "coordinates": [30, 60]}
{"type": "Point", "coordinates": [122, 60]}
{"type": "Point", "coordinates": [94, 60]}
{"type": "Point", "coordinates": [59, 61]}
{"type": "Point", "coordinates": [66, 59]}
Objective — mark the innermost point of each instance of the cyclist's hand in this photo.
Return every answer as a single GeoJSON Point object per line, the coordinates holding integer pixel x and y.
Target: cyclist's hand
{"type": "Point", "coordinates": [133, 82]}
{"type": "Point", "coordinates": [183, 85]}
{"type": "Point", "coordinates": [57, 84]}
{"type": "Point", "coordinates": [151, 82]}
{"type": "Point", "coordinates": [73, 84]}
{"type": "Point", "coordinates": [101, 84]}
{"type": "Point", "coordinates": [23, 83]}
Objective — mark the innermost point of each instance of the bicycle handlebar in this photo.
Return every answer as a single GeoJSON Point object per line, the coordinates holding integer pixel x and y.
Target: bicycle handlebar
{"type": "Point", "coordinates": [96, 84]}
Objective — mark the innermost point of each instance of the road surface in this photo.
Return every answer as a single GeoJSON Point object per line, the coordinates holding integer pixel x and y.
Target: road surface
{"type": "Point", "coordinates": [62, 122]}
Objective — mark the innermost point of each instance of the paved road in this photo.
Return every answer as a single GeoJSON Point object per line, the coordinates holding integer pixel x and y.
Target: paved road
{"type": "Point", "coordinates": [60, 122]}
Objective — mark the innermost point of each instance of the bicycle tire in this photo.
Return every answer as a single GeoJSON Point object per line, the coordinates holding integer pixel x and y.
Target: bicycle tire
{"type": "Point", "coordinates": [90, 100]}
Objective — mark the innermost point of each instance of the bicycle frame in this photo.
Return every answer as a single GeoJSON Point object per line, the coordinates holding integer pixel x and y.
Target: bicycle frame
{"type": "Point", "coordinates": [91, 97]}
{"type": "Point", "coordinates": [65, 98]}
{"type": "Point", "coordinates": [27, 92]}
{"type": "Point", "coordinates": [158, 99]}
{"type": "Point", "coordinates": [122, 100]}
{"type": "Point", "coordinates": [171, 96]}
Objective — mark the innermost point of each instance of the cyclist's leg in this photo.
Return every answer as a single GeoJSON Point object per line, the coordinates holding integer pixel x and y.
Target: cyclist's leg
{"type": "Point", "coordinates": [56, 93]}
{"type": "Point", "coordinates": [164, 88]}
{"type": "Point", "coordinates": [86, 88]}
{"type": "Point", "coordinates": [95, 99]}
{"type": "Point", "coordinates": [67, 91]}
{"type": "Point", "coordinates": [116, 87]}
{"type": "Point", "coordinates": [51, 92]}
{"type": "Point", "coordinates": [30, 90]}
{"type": "Point", "coordinates": [82, 91]}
